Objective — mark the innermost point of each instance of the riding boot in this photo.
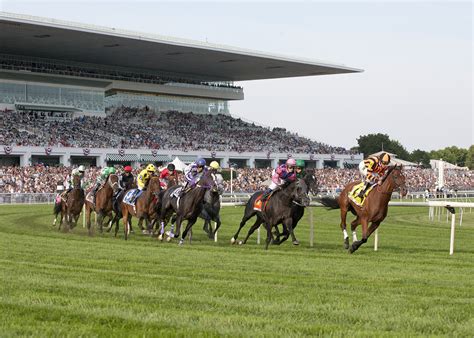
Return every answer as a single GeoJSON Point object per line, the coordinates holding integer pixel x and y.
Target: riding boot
{"type": "Point", "coordinates": [364, 190]}
{"type": "Point", "coordinates": [94, 192]}
{"type": "Point", "coordinates": [266, 194]}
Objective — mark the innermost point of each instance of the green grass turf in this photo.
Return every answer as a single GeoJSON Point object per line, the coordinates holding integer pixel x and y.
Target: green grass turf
{"type": "Point", "coordinates": [57, 284]}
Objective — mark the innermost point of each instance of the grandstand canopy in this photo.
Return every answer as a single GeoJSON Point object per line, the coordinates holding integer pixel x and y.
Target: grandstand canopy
{"type": "Point", "coordinates": [54, 39]}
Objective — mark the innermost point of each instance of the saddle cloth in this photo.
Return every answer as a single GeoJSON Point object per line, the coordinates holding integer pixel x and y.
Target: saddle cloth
{"type": "Point", "coordinates": [257, 205]}
{"type": "Point", "coordinates": [353, 194]}
{"type": "Point", "coordinates": [176, 193]}
{"type": "Point", "coordinates": [129, 197]}
{"type": "Point", "coordinates": [89, 197]}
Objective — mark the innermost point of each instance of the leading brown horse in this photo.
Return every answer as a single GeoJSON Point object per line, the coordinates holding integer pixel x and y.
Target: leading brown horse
{"type": "Point", "coordinates": [373, 210]}
{"type": "Point", "coordinates": [74, 203]}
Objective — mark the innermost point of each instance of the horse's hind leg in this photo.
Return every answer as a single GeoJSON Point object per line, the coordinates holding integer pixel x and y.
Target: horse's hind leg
{"type": "Point", "coordinates": [269, 235]}
{"type": "Point", "coordinates": [252, 229]}
{"type": "Point", "coordinates": [244, 220]}
{"type": "Point", "coordinates": [344, 226]}
{"type": "Point", "coordinates": [354, 225]}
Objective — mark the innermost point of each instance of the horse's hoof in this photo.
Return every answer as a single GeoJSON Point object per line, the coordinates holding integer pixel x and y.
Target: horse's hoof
{"type": "Point", "coordinates": [181, 242]}
{"type": "Point", "coordinates": [296, 242]}
{"type": "Point", "coordinates": [232, 240]}
{"type": "Point", "coordinates": [168, 239]}
{"type": "Point", "coordinates": [160, 237]}
{"type": "Point", "coordinates": [240, 242]}
{"type": "Point", "coordinates": [346, 243]}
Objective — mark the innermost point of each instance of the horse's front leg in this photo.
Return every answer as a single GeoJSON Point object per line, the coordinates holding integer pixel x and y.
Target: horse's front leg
{"type": "Point", "coordinates": [356, 244]}
{"type": "Point", "coordinates": [288, 223]}
{"type": "Point", "coordinates": [344, 226]}
{"type": "Point", "coordinates": [218, 225]}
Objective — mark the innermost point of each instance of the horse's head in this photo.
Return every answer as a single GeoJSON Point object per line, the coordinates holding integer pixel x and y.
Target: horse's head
{"type": "Point", "coordinates": [113, 182]}
{"type": "Point", "coordinates": [300, 193]}
{"type": "Point", "coordinates": [76, 182]}
{"type": "Point", "coordinates": [207, 182]}
{"type": "Point", "coordinates": [154, 184]}
{"type": "Point", "coordinates": [397, 179]}
{"type": "Point", "coordinates": [311, 181]}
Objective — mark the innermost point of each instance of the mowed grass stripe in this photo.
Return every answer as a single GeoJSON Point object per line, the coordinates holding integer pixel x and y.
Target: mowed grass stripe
{"type": "Point", "coordinates": [71, 284]}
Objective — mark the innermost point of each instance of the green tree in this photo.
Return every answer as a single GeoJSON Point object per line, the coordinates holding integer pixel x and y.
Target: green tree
{"type": "Point", "coordinates": [470, 158]}
{"type": "Point", "coordinates": [372, 143]}
{"type": "Point", "coordinates": [420, 156]}
{"type": "Point", "coordinates": [451, 154]}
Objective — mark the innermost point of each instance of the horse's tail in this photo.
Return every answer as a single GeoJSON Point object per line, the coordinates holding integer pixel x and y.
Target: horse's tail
{"type": "Point", "coordinates": [329, 202]}
{"type": "Point", "coordinates": [57, 208]}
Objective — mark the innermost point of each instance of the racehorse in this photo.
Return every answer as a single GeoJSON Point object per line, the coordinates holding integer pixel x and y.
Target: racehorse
{"type": "Point", "coordinates": [278, 209]}
{"type": "Point", "coordinates": [297, 210]}
{"type": "Point", "coordinates": [373, 210]}
{"type": "Point", "coordinates": [212, 206]}
{"type": "Point", "coordinates": [74, 203]}
{"type": "Point", "coordinates": [103, 202]}
{"type": "Point", "coordinates": [188, 208]}
{"type": "Point", "coordinates": [61, 207]}
{"type": "Point", "coordinates": [142, 206]}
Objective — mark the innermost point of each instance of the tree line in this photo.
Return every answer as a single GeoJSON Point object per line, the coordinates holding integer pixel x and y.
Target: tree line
{"type": "Point", "coordinates": [372, 143]}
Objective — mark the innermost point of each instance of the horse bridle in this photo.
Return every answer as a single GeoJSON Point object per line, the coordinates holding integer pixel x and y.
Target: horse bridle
{"type": "Point", "coordinates": [113, 184]}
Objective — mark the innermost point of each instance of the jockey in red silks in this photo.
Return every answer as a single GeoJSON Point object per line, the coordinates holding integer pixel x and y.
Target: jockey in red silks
{"type": "Point", "coordinates": [281, 175]}
{"type": "Point", "coordinates": [165, 175]}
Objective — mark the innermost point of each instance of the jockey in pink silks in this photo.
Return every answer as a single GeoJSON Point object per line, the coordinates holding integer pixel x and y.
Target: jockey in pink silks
{"type": "Point", "coordinates": [281, 175]}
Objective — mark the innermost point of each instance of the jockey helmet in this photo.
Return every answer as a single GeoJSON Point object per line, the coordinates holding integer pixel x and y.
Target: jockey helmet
{"type": "Point", "coordinates": [81, 168]}
{"type": "Point", "coordinates": [290, 162]}
{"type": "Point", "coordinates": [214, 165]}
{"type": "Point", "coordinates": [384, 158]}
{"type": "Point", "coordinates": [171, 167]}
{"type": "Point", "coordinates": [201, 162]}
{"type": "Point", "coordinates": [300, 163]}
{"type": "Point", "coordinates": [128, 169]}
{"type": "Point", "coordinates": [150, 168]}
{"type": "Point", "coordinates": [111, 170]}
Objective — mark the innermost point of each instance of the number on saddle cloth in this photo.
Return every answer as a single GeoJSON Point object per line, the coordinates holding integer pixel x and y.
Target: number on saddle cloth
{"type": "Point", "coordinates": [131, 196]}
{"type": "Point", "coordinates": [176, 192]}
{"type": "Point", "coordinates": [354, 193]}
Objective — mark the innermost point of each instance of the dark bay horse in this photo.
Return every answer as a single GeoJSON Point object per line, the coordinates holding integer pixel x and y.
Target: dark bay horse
{"type": "Point", "coordinates": [297, 210]}
{"type": "Point", "coordinates": [103, 202]}
{"type": "Point", "coordinates": [142, 206]}
{"type": "Point", "coordinates": [189, 207]}
{"type": "Point", "coordinates": [277, 210]}
{"type": "Point", "coordinates": [212, 206]}
{"type": "Point", "coordinates": [374, 210]}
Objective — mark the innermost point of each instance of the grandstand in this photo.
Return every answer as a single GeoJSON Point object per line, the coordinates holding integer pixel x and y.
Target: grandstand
{"type": "Point", "coordinates": [65, 84]}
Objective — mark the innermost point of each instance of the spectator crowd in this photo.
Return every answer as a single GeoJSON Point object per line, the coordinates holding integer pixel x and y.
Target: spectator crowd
{"type": "Point", "coordinates": [127, 127]}
{"type": "Point", "coordinates": [44, 179]}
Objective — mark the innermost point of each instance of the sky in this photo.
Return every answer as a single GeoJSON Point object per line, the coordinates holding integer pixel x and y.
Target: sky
{"type": "Point", "coordinates": [417, 84]}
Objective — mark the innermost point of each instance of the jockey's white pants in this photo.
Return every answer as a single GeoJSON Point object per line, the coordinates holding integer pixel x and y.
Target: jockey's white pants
{"type": "Point", "coordinates": [363, 169]}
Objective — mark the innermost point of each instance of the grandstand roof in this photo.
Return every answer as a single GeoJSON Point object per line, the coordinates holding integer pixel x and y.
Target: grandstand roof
{"type": "Point", "coordinates": [50, 38]}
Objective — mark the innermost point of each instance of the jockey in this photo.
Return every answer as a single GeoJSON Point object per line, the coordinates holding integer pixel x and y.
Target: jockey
{"type": "Point", "coordinates": [103, 176]}
{"type": "Point", "coordinates": [193, 173]}
{"type": "Point", "coordinates": [142, 180]}
{"type": "Point", "coordinates": [144, 176]}
{"type": "Point", "coordinates": [300, 169]}
{"type": "Point", "coordinates": [75, 172]}
{"type": "Point", "coordinates": [281, 175]}
{"type": "Point", "coordinates": [127, 178]}
{"type": "Point", "coordinates": [214, 167]}
{"type": "Point", "coordinates": [165, 174]}
{"type": "Point", "coordinates": [371, 168]}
